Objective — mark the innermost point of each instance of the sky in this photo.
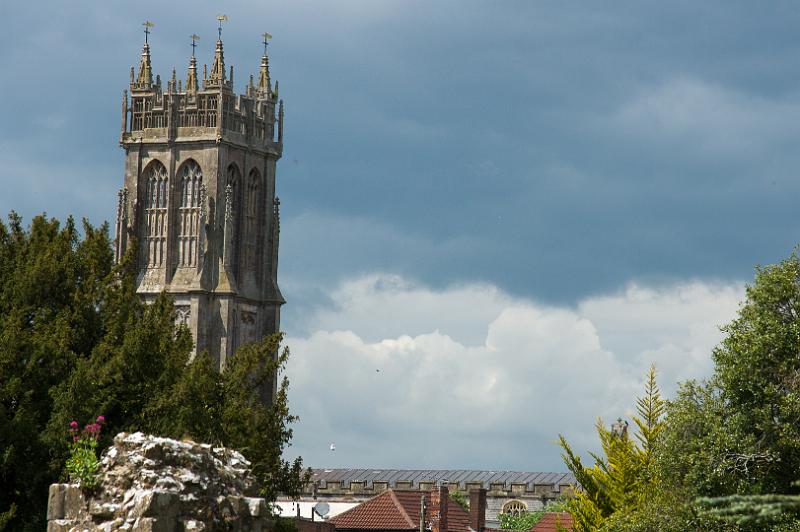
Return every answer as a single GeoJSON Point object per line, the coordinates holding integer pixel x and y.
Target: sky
{"type": "Point", "coordinates": [495, 215]}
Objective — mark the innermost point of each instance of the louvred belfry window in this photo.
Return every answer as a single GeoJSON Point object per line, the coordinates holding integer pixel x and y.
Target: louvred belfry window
{"type": "Point", "coordinates": [189, 214]}
{"type": "Point", "coordinates": [154, 239]}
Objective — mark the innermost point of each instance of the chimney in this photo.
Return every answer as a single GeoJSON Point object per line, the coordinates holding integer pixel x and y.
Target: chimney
{"type": "Point", "coordinates": [439, 498]}
{"type": "Point", "coordinates": [477, 509]}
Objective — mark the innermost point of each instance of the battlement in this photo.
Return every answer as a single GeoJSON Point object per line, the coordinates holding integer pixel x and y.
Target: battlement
{"type": "Point", "coordinates": [508, 484]}
{"type": "Point", "coordinates": [177, 116]}
{"type": "Point", "coordinates": [214, 112]}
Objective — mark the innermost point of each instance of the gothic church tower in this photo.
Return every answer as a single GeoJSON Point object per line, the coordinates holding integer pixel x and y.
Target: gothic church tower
{"type": "Point", "coordinates": [199, 199]}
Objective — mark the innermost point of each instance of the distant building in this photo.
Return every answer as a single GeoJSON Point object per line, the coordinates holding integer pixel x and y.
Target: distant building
{"type": "Point", "coordinates": [506, 491]}
{"type": "Point", "coordinates": [199, 201]}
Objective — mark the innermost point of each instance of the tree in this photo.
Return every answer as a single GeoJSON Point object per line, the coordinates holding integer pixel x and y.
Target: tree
{"type": "Point", "coordinates": [51, 286]}
{"type": "Point", "coordinates": [735, 439]}
{"type": "Point", "coordinates": [76, 341]}
{"type": "Point", "coordinates": [623, 479]}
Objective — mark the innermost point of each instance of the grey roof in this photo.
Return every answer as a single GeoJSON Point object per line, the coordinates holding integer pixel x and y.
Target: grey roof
{"type": "Point", "coordinates": [392, 476]}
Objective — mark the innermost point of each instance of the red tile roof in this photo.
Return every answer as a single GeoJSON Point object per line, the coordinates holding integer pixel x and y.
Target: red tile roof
{"type": "Point", "coordinates": [397, 510]}
{"type": "Point", "coordinates": [549, 522]}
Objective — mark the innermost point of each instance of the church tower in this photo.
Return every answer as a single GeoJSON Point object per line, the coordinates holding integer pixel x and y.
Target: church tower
{"type": "Point", "coordinates": [199, 200]}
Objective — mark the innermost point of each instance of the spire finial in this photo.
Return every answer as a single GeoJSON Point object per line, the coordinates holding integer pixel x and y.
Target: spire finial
{"type": "Point", "coordinates": [147, 25]}
{"type": "Point", "coordinates": [267, 37]}
{"type": "Point", "coordinates": [217, 77]}
{"type": "Point", "coordinates": [145, 79]}
{"type": "Point", "coordinates": [221, 19]}
{"type": "Point", "coordinates": [264, 86]}
{"type": "Point", "coordinates": [195, 38]}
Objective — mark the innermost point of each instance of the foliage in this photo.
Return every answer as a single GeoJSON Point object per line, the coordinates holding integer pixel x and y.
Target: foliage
{"type": "Point", "coordinates": [527, 520]}
{"type": "Point", "coordinates": [624, 478]}
{"type": "Point", "coordinates": [75, 339]}
{"type": "Point", "coordinates": [521, 521]}
{"type": "Point", "coordinates": [51, 286]}
{"type": "Point", "coordinates": [664, 513]}
{"type": "Point", "coordinates": [734, 441]}
{"type": "Point", "coordinates": [83, 463]}
{"type": "Point", "coordinates": [752, 510]}
{"type": "Point", "coordinates": [460, 498]}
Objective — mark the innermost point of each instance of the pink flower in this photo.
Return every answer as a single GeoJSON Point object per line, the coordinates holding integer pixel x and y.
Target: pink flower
{"type": "Point", "coordinates": [74, 424]}
{"type": "Point", "coordinates": [101, 419]}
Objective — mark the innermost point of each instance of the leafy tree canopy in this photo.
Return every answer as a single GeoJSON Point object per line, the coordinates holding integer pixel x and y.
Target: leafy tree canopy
{"type": "Point", "coordinates": [76, 341]}
{"type": "Point", "coordinates": [623, 479]}
{"type": "Point", "coordinates": [738, 434]}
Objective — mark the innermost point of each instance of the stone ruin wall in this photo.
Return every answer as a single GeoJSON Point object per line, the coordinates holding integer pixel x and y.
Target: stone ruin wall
{"type": "Point", "coordinates": [150, 484]}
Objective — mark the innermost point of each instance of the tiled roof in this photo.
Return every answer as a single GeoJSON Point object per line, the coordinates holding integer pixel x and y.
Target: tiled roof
{"type": "Point", "coordinates": [392, 476]}
{"type": "Point", "coordinates": [551, 520]}
{"type": "Point", "coordinates": [397, 510]}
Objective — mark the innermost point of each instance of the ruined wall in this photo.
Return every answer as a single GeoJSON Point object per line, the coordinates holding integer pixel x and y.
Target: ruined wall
{"type": "Point", "coordinates": [150, 484]}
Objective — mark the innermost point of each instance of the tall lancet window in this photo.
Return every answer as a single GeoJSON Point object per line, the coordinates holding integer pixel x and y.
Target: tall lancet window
{"type": "Point", "coordinates": [189, 214]}
{"type": "Point", "coordinates": [234, 180]}
{"type": "Point", "coordinates": [154, 239]}
{"type": "Point", "coordinates": [251, 221]}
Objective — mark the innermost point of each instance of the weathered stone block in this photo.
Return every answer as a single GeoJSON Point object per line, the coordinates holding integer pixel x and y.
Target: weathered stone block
{"type": "Point", "coordinates": [150, 524]}
{"type": "Point", "coordinates": [74, 502]}
{"type": "Point", "coordinates": [60, 525]}
{"type": "Point", "coordinates": [55, 501]}
{"type": "Point", "coordinates": [156, 504]}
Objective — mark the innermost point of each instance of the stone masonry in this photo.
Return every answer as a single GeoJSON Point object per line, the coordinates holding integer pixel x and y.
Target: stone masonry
{"type": "Point", "coordinates": [198, 210]}
{"type": "Point", "coordinates": [151, 484]}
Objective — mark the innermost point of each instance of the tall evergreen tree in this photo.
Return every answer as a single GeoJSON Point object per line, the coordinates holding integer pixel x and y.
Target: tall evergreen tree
{"type": "Point", "coordinates": [76, 341]}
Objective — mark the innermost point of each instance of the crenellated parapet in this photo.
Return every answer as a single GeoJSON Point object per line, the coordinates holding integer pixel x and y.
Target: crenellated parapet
{"type": "Point", "coordinates": [207, 111]}
{"type": "Point", "coordinates": [506, 491]}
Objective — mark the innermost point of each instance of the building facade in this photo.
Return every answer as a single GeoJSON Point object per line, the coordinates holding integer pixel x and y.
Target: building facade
{"type": "Point", "coordinates": [198, 214]}
{"type": "Point", "coordinates": [510, 492]}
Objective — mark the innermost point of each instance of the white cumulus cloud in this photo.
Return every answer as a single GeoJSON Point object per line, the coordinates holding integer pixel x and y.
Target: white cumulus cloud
{"type": "Point", "coordinates": [402, 375]}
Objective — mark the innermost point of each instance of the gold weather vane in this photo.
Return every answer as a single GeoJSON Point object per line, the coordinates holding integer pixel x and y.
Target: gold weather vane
{"type": "Point", "coordinates": [195, 38]}
{"type": "Point", "coordinates": [267, 37]}
{"type": "Point", "coordinates": [221, 19]}
{"type": "Point", "coordinates": [147, 25]}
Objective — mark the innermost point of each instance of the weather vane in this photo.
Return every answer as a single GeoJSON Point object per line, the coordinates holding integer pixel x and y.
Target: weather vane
{"type": "Point", "coordinates": [147, 25]}
{"type": "Point", "coordinates": [221, 19]}
{"type": "Point", "coordinates": [267, 37]}
{"type": "Point", "coordinates": [195, 38]}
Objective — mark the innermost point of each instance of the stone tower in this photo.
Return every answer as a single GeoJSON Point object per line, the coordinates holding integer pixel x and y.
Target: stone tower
{"type": "Point", "coordinates": [199, 199]}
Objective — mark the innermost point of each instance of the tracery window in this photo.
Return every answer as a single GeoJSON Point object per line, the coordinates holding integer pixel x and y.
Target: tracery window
{"type": "Point", "coordinates": [515, 507]}
{"type": "Point", "coordinates": [189, 214]}
{"type": "Point", "coordinates": [234, 181]}
{"type": "Point", "coordinates": [154, 241]}
{"type": "Point", "coordinates": [251, 220]}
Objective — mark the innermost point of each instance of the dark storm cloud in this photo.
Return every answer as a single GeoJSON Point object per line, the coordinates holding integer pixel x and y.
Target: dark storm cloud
{"type": "Point", "coordinates": [545, 179]}
{"type": "Point", "coordinates": [555, 150]}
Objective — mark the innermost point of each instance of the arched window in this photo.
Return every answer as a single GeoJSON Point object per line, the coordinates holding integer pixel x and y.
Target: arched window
{"type": "Point", "coordinates": [251, 221]}
{"type": "Point", "coordinates": [154, 238]}
{"type": "Point", "coordinates": [189, 213]}
{"type": "Point", "coordinates": [515, 507]}
{"type": "Point", "coordinates": [234, 180]}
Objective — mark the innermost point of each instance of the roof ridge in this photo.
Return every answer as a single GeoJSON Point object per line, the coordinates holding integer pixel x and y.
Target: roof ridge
{"type": "Point", "coordinates": [355, 509]}
{"type": "Point", "coordinates": [402, 509]}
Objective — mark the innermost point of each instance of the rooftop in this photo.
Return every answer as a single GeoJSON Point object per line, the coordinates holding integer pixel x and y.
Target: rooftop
{"type": "Point", "coordinates": [461, 476]}
{"type": "Point", "coordinates": [397, 510]}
